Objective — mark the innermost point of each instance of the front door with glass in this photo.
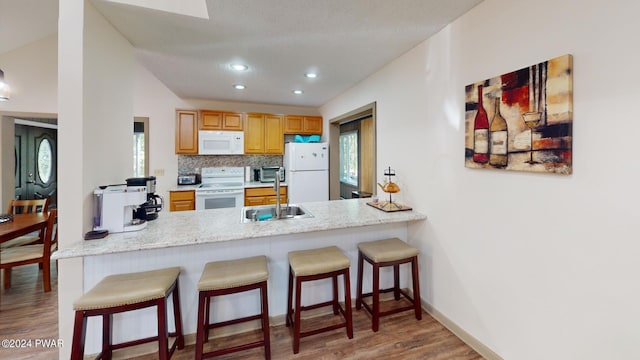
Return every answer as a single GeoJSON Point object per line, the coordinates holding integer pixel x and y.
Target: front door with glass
{"type": "Point", "coordinates": [36, 163]}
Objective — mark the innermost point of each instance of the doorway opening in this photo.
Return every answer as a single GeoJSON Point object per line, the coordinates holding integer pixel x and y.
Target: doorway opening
{"type": "Point", "coordinates": [140, 146]}
{"type": "Point", "coordinates": [36, 159]}
{"type": "Point", "coordinates": [353, 166]}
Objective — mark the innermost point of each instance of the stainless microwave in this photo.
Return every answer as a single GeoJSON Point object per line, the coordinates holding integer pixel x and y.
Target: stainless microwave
{"type": "Point", "coordinates": [220, 142]}
{"type": "Point", "coordinates": [269, 173]}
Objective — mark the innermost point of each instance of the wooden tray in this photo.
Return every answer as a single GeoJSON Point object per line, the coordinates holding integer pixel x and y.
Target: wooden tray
{"type": "Point", "coordinates": [389, 207]}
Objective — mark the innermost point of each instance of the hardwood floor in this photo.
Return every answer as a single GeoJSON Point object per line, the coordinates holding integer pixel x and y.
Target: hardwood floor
{"type": "Point", "coordinates": [26, 312]}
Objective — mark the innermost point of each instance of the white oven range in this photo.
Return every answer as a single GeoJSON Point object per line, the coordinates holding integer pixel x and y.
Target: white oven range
{"type": "Point", "coordinates": [222, 187]}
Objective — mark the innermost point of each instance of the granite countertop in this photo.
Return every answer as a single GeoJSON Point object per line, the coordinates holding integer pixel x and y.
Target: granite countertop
{"type": "Point", "coordinates": [255, 184]}
{"type": "Point", "coordinates": [184, 228]}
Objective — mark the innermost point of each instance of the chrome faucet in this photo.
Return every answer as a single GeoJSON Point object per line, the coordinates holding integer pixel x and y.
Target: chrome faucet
{"type": "Point", "coordinates": [276, 187]}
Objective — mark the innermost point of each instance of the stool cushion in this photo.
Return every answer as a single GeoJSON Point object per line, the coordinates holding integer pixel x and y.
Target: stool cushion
{"type": "Point", "coordinates": [128, 289]}
{"type": "Point", "coordinates": [318, 261]}
{"type": "Point", "coordinates": [233, 273]}
{"type": "Point", "coordinates": [387, 250]}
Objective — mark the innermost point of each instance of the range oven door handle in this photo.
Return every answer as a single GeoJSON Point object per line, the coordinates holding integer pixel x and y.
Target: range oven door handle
{"type": "Point", "coordinates": [220, 193]}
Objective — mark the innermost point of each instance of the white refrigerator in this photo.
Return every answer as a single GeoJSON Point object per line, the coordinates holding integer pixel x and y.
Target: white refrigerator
{"type": "Point", "coordinates": [307, 171]}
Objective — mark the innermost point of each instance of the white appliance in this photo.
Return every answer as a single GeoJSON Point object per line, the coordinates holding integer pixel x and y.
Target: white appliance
{"type": "Point", "coordinates": [220, 142]}
{"type": "Point", "coordinates": [222, 187]}
{"type": "Point", "coordinates": [307, 166]}
{"type": "Point", "coordinates": [116, 206]}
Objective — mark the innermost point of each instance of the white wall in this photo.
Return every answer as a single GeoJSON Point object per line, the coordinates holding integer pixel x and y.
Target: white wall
{"type": "Point", "coordinates": [31, 72]}
{"type": "Point", "coordinates": [535, 266]}
{"type": "Point", "coordinates": [95, 132]}
{"type": "Point", "coordinates": [154, 100]}
{"type": "Point", "coordinates": [70, 160]}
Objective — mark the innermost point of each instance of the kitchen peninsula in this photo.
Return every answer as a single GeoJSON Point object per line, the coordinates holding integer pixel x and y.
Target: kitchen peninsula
{"type": "Point", "coordinates": [192, 238]}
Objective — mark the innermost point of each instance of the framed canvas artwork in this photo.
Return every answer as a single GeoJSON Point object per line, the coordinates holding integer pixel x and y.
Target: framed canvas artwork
{"type": "Point", "coordinates": [522, 120]}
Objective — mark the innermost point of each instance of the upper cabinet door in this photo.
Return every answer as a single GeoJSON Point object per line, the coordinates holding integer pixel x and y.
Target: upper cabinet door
{"type": "Point", "coordinates": [303, 125]}
{"type": "Point", "coordinates": [219, 120]}
{"type": "Point", "coordinates": [313, 125]}
{"type": "Point", "coordinates": [254, 134]}
{"type": "Point", "coordinates": [293, 124]}
{"type": "Point", "coordinates": [263, 134]}
{"type": "Point", "coordinates": [273, 135]}
{"type": "Point", "coordinates": [186, 132]}
{"type": "Point", "coordinates": [232, 121]}
{"type": "Point", "coordinates": [210, 120]}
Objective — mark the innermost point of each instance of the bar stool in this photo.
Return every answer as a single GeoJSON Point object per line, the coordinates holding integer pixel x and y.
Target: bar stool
{"type": "Point", "coordinates": [316, 264]}
{"type": "Point", "coordinates": [126, 292]}
{"type": "Point", "coordinates": [383, 253]}
{"type": "Point", "coordinates": [230, 277]}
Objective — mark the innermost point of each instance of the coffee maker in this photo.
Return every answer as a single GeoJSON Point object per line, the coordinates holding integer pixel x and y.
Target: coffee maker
{"type": "Point", "coordinates": [154, 203]}
{"type": "Point", "coordinates": [116, 206]}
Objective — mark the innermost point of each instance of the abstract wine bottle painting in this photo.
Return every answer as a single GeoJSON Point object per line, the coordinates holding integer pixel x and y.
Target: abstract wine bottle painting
{"type": "Point", "coordinates": [530, 117]}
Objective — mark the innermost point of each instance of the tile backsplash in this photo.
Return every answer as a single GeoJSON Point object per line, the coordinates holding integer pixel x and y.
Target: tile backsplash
{"type": "Point", "coordinates": [187, 164]}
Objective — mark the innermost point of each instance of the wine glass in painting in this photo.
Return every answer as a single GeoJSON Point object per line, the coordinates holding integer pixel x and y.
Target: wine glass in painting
{"type": "Point", "coordinates": [531, 119]}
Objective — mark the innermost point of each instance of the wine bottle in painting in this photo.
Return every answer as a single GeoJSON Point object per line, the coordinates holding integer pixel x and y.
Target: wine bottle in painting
{"type": "Point", "coordinates": [498, 136]}
{"type": "Point", "coordinates": [481, 133]}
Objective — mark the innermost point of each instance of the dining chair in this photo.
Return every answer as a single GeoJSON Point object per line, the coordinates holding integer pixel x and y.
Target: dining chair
{"type": "Point", "coordinates": [26, 207]}
{"type": "Point", "coordinates": [32, 254]}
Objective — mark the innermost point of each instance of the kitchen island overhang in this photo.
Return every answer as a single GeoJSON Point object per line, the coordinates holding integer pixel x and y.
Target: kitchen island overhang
{"type": "Point", "coordinates": [191, 239]}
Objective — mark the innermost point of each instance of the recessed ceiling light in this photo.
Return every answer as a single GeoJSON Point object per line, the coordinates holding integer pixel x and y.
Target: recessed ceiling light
{"type": "Point", "coordinates": [239, 87]}
{"type": "Point", "coordinates": [311, 75]}
{"type": "Point", "coordinates": [297, 92]}
{"type": "Point", "coordinates": [239, 67]}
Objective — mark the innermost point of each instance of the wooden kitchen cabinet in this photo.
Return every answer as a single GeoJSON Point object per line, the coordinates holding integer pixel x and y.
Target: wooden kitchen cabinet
{"type": "Point", "coordinates": [182, 200]}
{"type": "Point", "coordinates": [264, 196]}
{"type": "Point", "coordinates": [263, 134]}
{"type": "Point", "coordinates": [303, 125]}
{"type": "Point", "coordinates": [220, 120]}
{"type": "Point", "coordinates": [186, 132]}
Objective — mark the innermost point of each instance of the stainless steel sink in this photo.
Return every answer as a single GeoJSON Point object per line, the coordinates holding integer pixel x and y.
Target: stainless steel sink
{"type": "Point", "coordinates": [268, 213]}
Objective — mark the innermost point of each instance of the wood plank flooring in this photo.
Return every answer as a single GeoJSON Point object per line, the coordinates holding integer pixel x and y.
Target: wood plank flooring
{"type": "Point", "coordinates": [26, 312]}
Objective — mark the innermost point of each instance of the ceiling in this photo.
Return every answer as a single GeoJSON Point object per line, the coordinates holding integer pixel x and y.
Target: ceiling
{"type": "Point", "coordinates": [344, 41]}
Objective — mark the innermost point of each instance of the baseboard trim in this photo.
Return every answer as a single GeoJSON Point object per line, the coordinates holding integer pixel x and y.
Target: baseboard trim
{"type": "Point", "coordinates": [474, 343]}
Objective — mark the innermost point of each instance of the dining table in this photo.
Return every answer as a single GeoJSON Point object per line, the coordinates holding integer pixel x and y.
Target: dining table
{"type": "Point", "coordinates": [22, 224]}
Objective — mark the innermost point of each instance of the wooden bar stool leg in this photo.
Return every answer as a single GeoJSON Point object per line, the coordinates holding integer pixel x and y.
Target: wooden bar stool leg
{"type": "Point", "coordinates": [347, 303]}
{"type": "Point", "coordinates": [416, 288]}
{"type": "Point", "coordinates": [207, 317]}
{"type": "Point", "coordinates": [202, 323]}
{"type": "Point", "coordinates": [163, 343]}
{"type": "Point", "coordinates": [359, 281]}
{"type": "Point", "coordinates": [296, 321]}
{"type": "Point", "coordinates": [376, 298]}
{"type": "Point", "coordinates": [265, 321]}
{"type": "Point", "coordinates": [334, 279]}
{"type": "Point", "coordinates": [79, 331]}
{"type": "Point", "coordinates": [396, 281]}
{"type": "Point", "coordinates": [107, 331]}
{"type": "Point", "coordinates": [289, 316]}
{"type": "Point", "coordinates": [177, 317]}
